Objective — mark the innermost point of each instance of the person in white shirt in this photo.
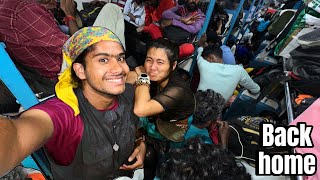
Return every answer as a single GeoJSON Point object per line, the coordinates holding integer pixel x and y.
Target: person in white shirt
{"type": "Point", "coordinates": [222, 78]}
{"type": "Point", "coordinates": [134, 12]}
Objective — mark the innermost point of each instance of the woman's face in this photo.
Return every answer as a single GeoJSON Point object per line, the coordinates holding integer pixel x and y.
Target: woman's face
{"type": "Point", "coordinates": [157, 64]}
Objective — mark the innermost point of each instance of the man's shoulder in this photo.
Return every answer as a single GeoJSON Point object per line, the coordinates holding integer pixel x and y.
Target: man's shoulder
{"type": "Point", "coordinates": [53, 104]}
{"type": "Point", "coordinates": [234, 68]}
{"type": "Point", "coordinates": [19, 5]}
{"type": "Point", "coordinates": [9, 7]}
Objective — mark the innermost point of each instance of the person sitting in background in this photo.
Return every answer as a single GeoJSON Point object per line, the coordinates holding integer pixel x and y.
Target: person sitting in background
{"type": "Point", "coordinates": [134, 12]}
{"type": "Point", "coordinates": [261, 30]}
{"type": "Point", "coordinates": [134, 15]}
{"type": "Point", "coordinates": [226, 77]}
{"type": "Point", "coordinates": [155, 10]}
{"type": "Point", "coordinates": [227, 55]}
{"type": "Point", "coordinates": [219, 18]}
{"type": "Point", "coordinates": [179, 24]}
{"type": "Point", "coordinates": [197, 160]}
{"type": "Point", "coordinates": [33, 40]}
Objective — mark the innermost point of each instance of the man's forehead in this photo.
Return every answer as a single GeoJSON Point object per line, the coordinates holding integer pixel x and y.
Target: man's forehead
{"type": "Point", "coordinates": [109, 47]}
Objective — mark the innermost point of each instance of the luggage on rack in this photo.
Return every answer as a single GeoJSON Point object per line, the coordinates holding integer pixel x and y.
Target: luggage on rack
{"type": "Point", "coordinates": [268, 101]}
{"type": "Point", "coordinates": [245, 138]}
{"type": "Point", "coordinates": [247, 104]}
{"type": "Point", "coordinates": [277, 31]}
{"type": "Point", "coordinates": [304, 67]}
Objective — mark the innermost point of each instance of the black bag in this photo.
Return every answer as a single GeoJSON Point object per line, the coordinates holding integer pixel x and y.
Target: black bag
{"type": "Point", "coordinates": [244, 138]}
{"type": "Point", "coordinates": [304, 65]}
{"type": "Point", "coordinates": [90, 12]}
{"type": "Point", "coordinates": [177, 35]}
{"type": "Point", "coordinates": [305, 103]}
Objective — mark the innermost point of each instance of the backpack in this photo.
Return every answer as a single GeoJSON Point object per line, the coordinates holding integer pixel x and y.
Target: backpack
{"type": "Point", "coordinates": [304, 67]}
{"type": "Point", "coordinates": [177, 35]}
{"type": "Point", "coordinates": [90, 12]}
{"type": "Point", "coordinates": [244, 138]}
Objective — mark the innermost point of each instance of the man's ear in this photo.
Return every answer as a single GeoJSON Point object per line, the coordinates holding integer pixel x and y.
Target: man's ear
{"type": "Point", "coordinates": [174, 65]}
{"type": "Point", "coordinates": [79, 70]}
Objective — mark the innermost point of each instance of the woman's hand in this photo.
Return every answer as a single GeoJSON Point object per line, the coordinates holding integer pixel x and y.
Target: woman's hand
{"type": "Point", "coordinates": [139, 154]}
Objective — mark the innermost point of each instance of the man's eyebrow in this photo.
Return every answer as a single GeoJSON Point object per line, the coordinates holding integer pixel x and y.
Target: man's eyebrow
{"type": "Point", "coordinates": [106, 54]}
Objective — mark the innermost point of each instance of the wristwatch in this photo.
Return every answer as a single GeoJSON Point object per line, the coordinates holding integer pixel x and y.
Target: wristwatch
{"type": "Point", "coordinates": [143, 79]}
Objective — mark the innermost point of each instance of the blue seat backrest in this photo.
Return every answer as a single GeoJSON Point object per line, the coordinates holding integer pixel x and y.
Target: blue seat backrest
{"type": "Point", "coordinates": [17, 85]}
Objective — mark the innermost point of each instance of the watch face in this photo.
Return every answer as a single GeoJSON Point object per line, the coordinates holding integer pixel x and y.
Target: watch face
{"type": "Point", "coordinates": [144, 75]}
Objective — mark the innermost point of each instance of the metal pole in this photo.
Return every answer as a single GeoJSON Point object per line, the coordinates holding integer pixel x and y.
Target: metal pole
{"type": "Point", "coordinates": [234, 18]}
{"type": "Point", "coordinates": [289, 105]}
{"type": "Point", "coordinates": [14, 81]}
{"type": "Point", "coordinates": [208, 17]}
{"type": "Point", "coordinates": [203, 30]}
{"type": "Point", "coordinates": [244, 19]}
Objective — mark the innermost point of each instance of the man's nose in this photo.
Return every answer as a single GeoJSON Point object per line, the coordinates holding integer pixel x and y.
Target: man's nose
{"type": "Point", "coordinates": [115, 66]}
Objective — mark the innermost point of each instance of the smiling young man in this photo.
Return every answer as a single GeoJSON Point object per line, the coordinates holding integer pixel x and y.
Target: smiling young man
{"type": "Point", "coordinates": [89, 129]}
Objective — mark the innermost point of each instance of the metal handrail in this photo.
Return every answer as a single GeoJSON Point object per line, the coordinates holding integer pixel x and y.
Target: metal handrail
{"type": "Point", "coordinates": [289, 104]}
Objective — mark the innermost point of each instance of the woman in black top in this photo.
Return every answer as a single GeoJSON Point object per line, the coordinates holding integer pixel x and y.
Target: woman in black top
{"type": "Point", "coordinates": [171, 100]}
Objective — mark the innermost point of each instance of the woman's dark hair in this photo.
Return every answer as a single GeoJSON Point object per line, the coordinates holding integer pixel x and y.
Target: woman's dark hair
{"type": "Point", "coordinates": [81, 60]}
{"type": "Point", "coordinates": [200, 161]}
{"type": "Point", "coordinates": [209, 106]}
{"type": "Point", "coordinates": [171, 49]}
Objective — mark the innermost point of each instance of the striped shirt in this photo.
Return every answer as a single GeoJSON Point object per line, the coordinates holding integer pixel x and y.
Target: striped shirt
{"type": "Point", "coordinates": [32, 36]}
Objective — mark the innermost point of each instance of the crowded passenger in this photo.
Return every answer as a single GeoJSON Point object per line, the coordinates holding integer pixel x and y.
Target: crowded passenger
{"type": "Point", "coordinates": [226, 77]}
{"type": "Point", "coordinates": [208, 115]}
{"type": "Point", "coordinates": [154, 11]}
{"type": "Point", "coordinates": [179, 24]}
{"type": "Point", "coordinates": [134, 12]}
{"type": "Point", "coordinates": [163, 100]}
{"type": "Point", "coordinates": [89, 130]}
{"type": "Point", "coordinates": [197, 160]}
{"type": "Point", "coordinates": [227, 55]}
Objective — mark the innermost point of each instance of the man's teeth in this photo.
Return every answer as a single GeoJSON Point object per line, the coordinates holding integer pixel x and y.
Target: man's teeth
{"type": "Point", "coordinates": [114, 80]}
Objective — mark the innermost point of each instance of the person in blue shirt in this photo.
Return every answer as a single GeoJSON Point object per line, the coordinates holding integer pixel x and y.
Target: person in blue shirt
{"type": "Point", "coordinates": [258, 35]}
{"type": "Point", "coordinates": [264, 23]}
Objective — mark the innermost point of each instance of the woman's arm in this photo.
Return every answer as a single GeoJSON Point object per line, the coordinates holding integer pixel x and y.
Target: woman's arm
{"type": "Point", "coordinates": [143, 104]}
